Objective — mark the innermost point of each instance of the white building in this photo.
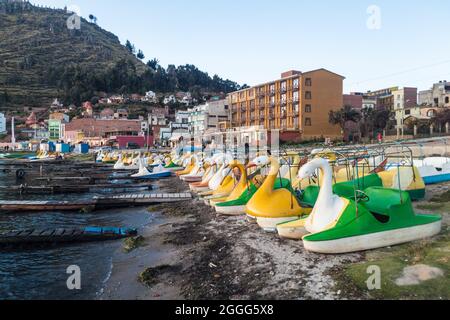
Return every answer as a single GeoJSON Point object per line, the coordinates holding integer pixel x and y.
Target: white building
{"type": "Point", "coordinates": [2, 123]}
{"type": "Point", "coordinates": [369, 103]}
{"type": "Point", "coordinates": [150, 97]}
{"type": "Point", "coordinates": [208, 116]}
{"type": "Point", "coordinates": [437, 96]}
{"type": "Point", "coordinates": [170, 99]}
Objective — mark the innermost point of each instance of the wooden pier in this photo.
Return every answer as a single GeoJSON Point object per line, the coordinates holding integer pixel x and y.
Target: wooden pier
{"type": "Point", "coordinates": [117, 201]}
{"type": "Point", "coordinates": [75, 188]}
{"type": "Point", "coordinates": [51, 236]}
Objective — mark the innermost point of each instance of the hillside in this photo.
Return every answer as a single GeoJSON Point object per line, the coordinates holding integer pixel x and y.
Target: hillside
{"type": "Point", "coordinates": [42, 59]}
{"type": "Point", "coordinates": [33, 39]}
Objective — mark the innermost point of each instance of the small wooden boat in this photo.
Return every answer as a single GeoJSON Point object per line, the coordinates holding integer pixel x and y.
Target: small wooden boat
{"type": "Point", "coordinates": [50, 236]}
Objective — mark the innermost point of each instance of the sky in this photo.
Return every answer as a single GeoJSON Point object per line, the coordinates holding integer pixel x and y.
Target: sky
{"type": "Point", "coordinates": [374, 44]}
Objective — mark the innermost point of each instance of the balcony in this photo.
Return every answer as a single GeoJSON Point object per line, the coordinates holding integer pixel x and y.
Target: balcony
{"type": "Point", "coordinates": [283, 102]}
{"type": "Point", "coordinates": [272, 92]}
{"type": "Point", "coordinates": [283, 90]}
{"type": "Point", "coordinates": [272, 104]}
{"type": "Point", "coordinates": [261, 94]}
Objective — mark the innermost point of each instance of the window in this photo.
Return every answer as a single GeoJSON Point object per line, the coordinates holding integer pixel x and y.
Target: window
{"type": "Point", "coordinates": [308, 122]}
{"type": "Point", "coordinates": [308, 82]}
{"type": "Point", "coordinates": [295, 83]}
{"type": "Point", "coordinates": [308, 95]}
{"type": "Point", "coordinates": [272, 89]}
{"type": "Point", "coordinates": [447, 100]}
{"type": "Point", "coordinates": [407, 112]}
{"type": "Point", "coordinates": [308, 108]}
{"type": "Point", "coordinates": [295, 96]}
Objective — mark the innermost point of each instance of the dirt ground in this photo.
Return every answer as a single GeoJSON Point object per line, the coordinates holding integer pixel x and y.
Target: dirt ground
{"type": "Point", "coordinates": [192, 253]}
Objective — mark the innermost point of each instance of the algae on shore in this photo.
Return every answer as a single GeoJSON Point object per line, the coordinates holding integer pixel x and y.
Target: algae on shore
{"type": "Point", "coordinates": [133, 243]}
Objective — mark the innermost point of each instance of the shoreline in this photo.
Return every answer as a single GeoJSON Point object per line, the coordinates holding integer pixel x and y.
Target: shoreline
{"type": "Point", "coordinates": [191, 253]}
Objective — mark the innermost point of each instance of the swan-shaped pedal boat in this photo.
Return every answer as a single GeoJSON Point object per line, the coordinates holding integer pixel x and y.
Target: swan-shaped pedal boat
{"type": "Point", "coordinates": [378, 218]}
{"type": "Point", "coordinates": [157, 172]}
{"type": "Point", "coordinates": [271, 206]}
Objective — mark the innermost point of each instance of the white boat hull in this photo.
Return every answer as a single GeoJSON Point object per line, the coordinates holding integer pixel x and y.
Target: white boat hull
{"type": "Point", "coordinates": [231, 211]}
{"type": "Point", "coordinates": [294, 233]}
{"type": "Point", "coordinates": [375, 240]}
{"type": "Point", "coordinates": [270, 224]}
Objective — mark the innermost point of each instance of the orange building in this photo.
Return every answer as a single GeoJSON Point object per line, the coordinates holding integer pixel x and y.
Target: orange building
{"type": "Point", "coordinates": [298, 105]}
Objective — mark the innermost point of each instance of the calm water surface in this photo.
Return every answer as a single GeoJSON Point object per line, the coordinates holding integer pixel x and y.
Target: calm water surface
{"type": "Point", "coordinates": [40, 273]}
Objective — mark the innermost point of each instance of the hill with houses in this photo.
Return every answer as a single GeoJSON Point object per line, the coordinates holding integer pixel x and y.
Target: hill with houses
{"type": "Point", "coordinates": [44, 55]}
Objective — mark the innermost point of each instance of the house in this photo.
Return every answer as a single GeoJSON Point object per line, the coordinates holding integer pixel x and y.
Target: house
{"type": "Point", "coordinates": [121, 114]}
{"type": "Point", "coordinates": [100, 130]}
{"type": "Point", "coordinates": [150, 96]}
{"type": "Point", "coordinates": [59, 116]}
{"type": "Point", "coordinates": [170, 100]}
{"type": "Point", "coordinates": [437, 96]}
{"type": "Point", "coordinates": [208, 116]}
{"type": "Point", "coordinates": [56, 104]}
{"type": "Point", "coordinates": [31, 120]}
{"type": "Point", "coordinates": [88, 110]}
{"type": "Point", "coordinates": [107, 114]}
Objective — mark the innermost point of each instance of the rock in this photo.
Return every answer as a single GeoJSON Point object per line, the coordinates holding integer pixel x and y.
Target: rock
{"type": "Point", "coordinates": [414, 275]}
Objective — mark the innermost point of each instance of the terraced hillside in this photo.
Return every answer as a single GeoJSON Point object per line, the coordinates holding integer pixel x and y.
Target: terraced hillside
{"type": "Point", "coordinates": [36, 42]}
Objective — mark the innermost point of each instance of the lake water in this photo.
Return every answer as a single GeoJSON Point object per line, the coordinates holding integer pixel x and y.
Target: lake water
{"type": "Point", "coordinates": [40, 273]}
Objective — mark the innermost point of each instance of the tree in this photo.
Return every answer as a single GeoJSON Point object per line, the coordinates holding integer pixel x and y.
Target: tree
{"type": "Point", "coordinates": [442, 118]}
{"type": "Point", "coordinates": [344, 115]}
{"type": "Point", "coordinates": [153, 63]}
{"type": "Point", "coordinates": [140, 55]}
{"type": "Point", "coordinates": [130, 47]}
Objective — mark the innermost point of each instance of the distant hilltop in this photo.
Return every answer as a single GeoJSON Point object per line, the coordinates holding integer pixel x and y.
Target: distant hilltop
{"type": "Point", "coordinates": [52, 53]}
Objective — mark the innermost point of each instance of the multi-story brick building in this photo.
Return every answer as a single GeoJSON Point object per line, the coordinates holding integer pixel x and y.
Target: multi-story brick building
{"type": "Point", "coordinates": [298, 105]}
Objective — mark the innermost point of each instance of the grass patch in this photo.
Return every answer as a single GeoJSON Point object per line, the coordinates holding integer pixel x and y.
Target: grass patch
{"type": "Point", "coordinates": [392, 261]}
{"type": "Point", "coordinates": [131, 244]}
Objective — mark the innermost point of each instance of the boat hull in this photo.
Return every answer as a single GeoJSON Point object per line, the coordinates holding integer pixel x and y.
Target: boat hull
{"type": "Point", "coordinates": [374, 240]}
{"type": "Point", "coordinates": [270, 224]}
{"type": "Point", "coordinates": [231, 210]}
{"type": "Point", "coordinates": [155, 176]}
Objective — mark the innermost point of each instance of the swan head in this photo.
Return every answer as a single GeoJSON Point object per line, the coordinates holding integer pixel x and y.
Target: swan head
{"type": "Point", "coordinates": [309, 169]}
{"type": "Point", "coordinates": [261, 161]}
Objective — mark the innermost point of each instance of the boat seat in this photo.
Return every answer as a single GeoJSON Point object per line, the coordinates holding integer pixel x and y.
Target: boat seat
{"type": "Point", "coordinates": [381, 200]}
{"type": "Point", "coordinates": [343, 189]}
